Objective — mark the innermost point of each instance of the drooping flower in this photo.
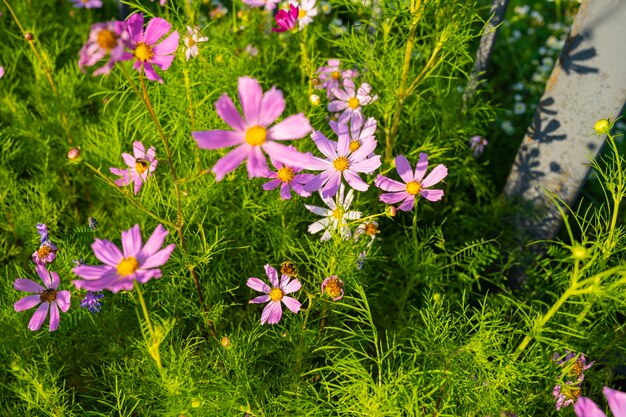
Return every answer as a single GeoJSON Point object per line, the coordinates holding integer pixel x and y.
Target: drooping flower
{"type": "Point", "coordinates": [335, 216]}
{"type": "Point", "coordinates": [147, 50]}
{"type": "Point", "coordinates": [46, 253]}
{"type": "Point", "coordinates": [331, 76]}
{"type": "Point", "coordinates": [48, 296]}
{"type": "Point", "coordinates": [87, 4]}
{"type": "Point", "coordinates": [252, 134]}
{"type": "Point", "coordinates": [287, 20]}
{"type": "Point", "coordinates": [140, 166]}
{"type": "Point", "coordinates": [268, 4]}
{"type": "Point", "coordinates": [275, 294]}
{"type": "Point", "coordinates": [477, 144]}
{"type": "Point", "coordinates": [191, 41]}
{"type": "Point", "coordinates": [369, 229]}
{"type": "Point", "coordinates": [104, 39]}
{"type": "Point", "coordinates": [350, 100]}
{"type": "Point", "coordinates": [136, 262]}
{"type": "Point", "coordinates": [617, 403]}
{"type": "Point", "coordinates": [287, 178]}
{"type": "Point", "coordinates": [307, 11]}
{"type": "Point", "coordinates": [42, 231]}
{"type": "Point", "coordinates": [333, 287]}
{"type": "Point", "coordinates": [92, 302]}
{"type": "Point", "coordinates": [414, 183]}
{"type": "Point", "coordinates": [341, 163]}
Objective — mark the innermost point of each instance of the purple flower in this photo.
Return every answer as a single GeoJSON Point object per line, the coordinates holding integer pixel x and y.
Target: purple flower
{"type": "Point", "coordinates": [275, 294]}
{"type": "Point", "coordinates": [333, 287]}
{"type": "Point", "coordinates": [341, 163]}
{"type": "Point", "coordinates": [42, 230]}
{"type": "Point", "coordinates": [252, 135]}
{"type": "Point", "coordinates": [477, 144]}
{"type": "Point", "coordinates": [91, 302]}
{"type": "Point", "coordinates": [46, 253]}
{"type": "Point", "coordinates": [565, 394]}
{"type": "Point", "coordinates": [49, 298]}
{"type": "Point", "coordinates": [331, 76]}
{"type": "Point", "coordinates": [147, 51]}
{"type": "Point", "coordinates": [269, 4]}
{"type": "Point", "coordinates": [121, 268]}
{"type": "Point", "coordinates": [140, 166]}
{"type": "Point", "coordinates": [350, 100]}
{"type": "Point", "coordinates": [617, 403]}
{"type": "Point", "coordinates": [288, 179]}
{"type": "Point", "coordinates": [87, 4]}
{"type": "Point", "coordinates": [335, 215]}
{"type": "Point", "coordinates": [287, 20]}
{"type": "Point", "coordinates": [104, 38]}
{"type": "Point", "coordinates": [414, 183]}
{"type": "Point", "coordinates": [359, 133]}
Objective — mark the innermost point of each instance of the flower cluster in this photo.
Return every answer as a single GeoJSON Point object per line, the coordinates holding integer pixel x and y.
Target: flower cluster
{"type": "Point", "coordinates": [568, 391]}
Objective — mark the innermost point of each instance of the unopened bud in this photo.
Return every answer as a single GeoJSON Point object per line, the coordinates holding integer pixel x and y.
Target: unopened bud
{"type": "Point", "coordinates": [73, 154]}
{"type": "Point", "coordinates": [28, 36]}
{"type": "Point", "coordinates": [602, 126]}
{"type": "Point", "coordinates": [579, 252]}
{"type": "Point", "coordinates": [314, 99]}
{"type": "Point", "coordinates": [225, 341]}
{"type": "Point", "coordinates": [391, 211]}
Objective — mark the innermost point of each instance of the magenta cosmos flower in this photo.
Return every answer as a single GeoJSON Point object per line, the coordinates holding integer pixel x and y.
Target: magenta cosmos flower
{"type": "Point", "coordinates": [350, 100]}
{"type": "Point", "coordinates": [287, 178]}
{"type": "Point", "coordinates": [104, 38]}
{"type": "Point", "coordinates": [274, 295]}
{"type": "Point", "coordinates": [341, 163]}
{"type": "Point", "coordinates": [287, 19]}
{"type": "Point", "coordinates": [87, 4]}
{"type": "Point", "coordinates": [331, 76]}
{"type": "Point", "coordinates": [136, 261]}
{"type": "Point", "coordinates": [414, 183]}
{"type": "Point", "coordinates": [145, 46]}
{"type": "Point", "coordinates": [617, 403]}
{"type": "Point", "coordinates": [48, 296]}
{"type": "Point", "coordinates": [140, 167]}
{"type": "Point", "coordinates": [252, 134]}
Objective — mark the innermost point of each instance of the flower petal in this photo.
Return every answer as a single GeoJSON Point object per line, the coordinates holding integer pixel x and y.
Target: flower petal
{"type": "Point", "coordinates": [437, 174]}
{"type": "Point", "coordinates": [584, 407]}
{"type": "Point", "coordinates": [28, 285]}
{"type": "Point", "coordinates": [230, 161]}
{"type": "Point", "coordinates": [258, 285]}
{"type": "Point", "coordinates": [43, 273]}
{"type": "Point", "coordinates": [27, 302]}
{"type": "Point", "coordinates": [93, 272]}
{"type": "Point", "coordinates": [39, 317]}
{"type": "Point", "coordinates": [257, 164]}
{"type": "Point", "coordinates": [292, 286]}
{"type": "Point", "coordinates": [135, 28]}
{"type": "Point", "coordinates": [139, 151]}
{"type": "Point", "coordinates": [272, 106]}
{"type": "Point", "coordinates": [63, 300]}
{"type": "Point", "coordinates": [216, 139]}
{"type": "Point", "coordinates": [131, 241]}
{"type": "Point", "coordinates": [392, 198]}
{"type": "Point", "coordinates": [368, 165]}
{"type": "Point", "coordinates": [408, 204]}
{"type": "Point", "coordinates": [355, 181]}
{"type": "Point", "coordinates": [295, 126]}
{"type": "Point", "coordinates": [159, 258]}
{"type": "Point", "coordinates": [168, 46]}
{"type": "Point", "coordinates": [54, 317]}
{"type": "Point", "coordinates": [271, 273]}
{"type": "Point", "coordinates": [285, 191]}
{"type": "Point", "coordinates": [286, 155]}
{"type": "Point", "coordinates": [272, 313]}
{"type": "Point", "coordinates": [404, 168]}
{"type": "Point", "coordinates": [55, 280]}
{"type": "Point", "coordinates": [271, 185]}
{"type": "Point", "coordinates": [292, 304]}
{"type": "Point", "coordinates": [250, 96]}
{"type": "Point", "coordinates": [324, 145]}
{"type": "Point", "coordinates": [387, 184]}
{"type": "Point", "coordinates": [228, 112]}
{"type": "Point", "coordinates": [616, 400]}
{"type": "Point", "coordinates": [154, 242]}
{"type": "Point", "coordinates": [432, 195]}
{"type": "Point", "coordinates": [156, 29]}
{"type": "Point", "coordinates": [331, 187]}
{"type": "Point", "coordinates": [260, 299]}
{"type": "Point", "coordinates": [337, 105]}
{"type": "Point", "coordinates": [421, 167]}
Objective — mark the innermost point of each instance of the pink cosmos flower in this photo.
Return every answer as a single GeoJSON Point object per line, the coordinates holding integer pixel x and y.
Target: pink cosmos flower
{"type": "Point", "coordinates": [87, 4]}
{"type": "Point", "coordinates": [269, 4]}
{"type": "Point", "coordinates": [333, 287]}
{"type": "Point", "coordinates": [49, 298]}
{"type": "Point", "coordinates": [147, 51]}
{"type": "Point", "coordinates": [275, 295]}
{"type": "Point", "coordinates": [617, 403]}
{"type": "Point", "coordinates": [46, 253]}
{"type": "Point", "coordinates": [136, 261]}
{"type": "Point", "coordinates": [341, 163]}
{"type": "Point", "coordinates": [1, 72]}
{"type": "Point", "coordinates": [330, 76]}
{"type": "Point", "coordinates": [104, 38]}
{"type": "Point", "coordinates": [414, 183]}
{"type": "Point", "coordinates": [350, 100]}
{"type": "Point", "coordinates": [287, 20]}
{"type": "Point", "coordinates": [252, 134]}
{"type": "Point", "coordinates": [140, 166]}
{"type": "Point", "coordinates": [358, 133]}
{"type": "Point", "coordinates": [288, 179]}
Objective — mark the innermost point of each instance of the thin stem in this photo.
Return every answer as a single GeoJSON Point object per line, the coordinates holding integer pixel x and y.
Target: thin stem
{"type": "Point", "coordinates": [154, 347]}
{"type": "Point", "coordinates": [617, 193]}
{"type": "Point", "coordinates": [311, 297]}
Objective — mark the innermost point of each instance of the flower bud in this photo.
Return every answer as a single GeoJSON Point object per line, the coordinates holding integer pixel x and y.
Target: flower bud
{"type": "Point", "coordinates": [602, 126]}
{"type": "Point", "coordinates": [579, 252]}
{"type": "Point", "coordinates": [73, 154]}
{"type": "Point", "coordinates": [225, 341]}
{"type": "Point", "coordinates": [28, 36]}
{"type": "Point", "coordinates": [391, 211]}
{"type": "Point", "coordinates": [314, 99]}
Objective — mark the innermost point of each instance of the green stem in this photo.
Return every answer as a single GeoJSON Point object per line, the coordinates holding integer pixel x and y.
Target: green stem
{"type": "Point", "coordinates": [154, 352]}
{"type": "Point", "coordinates": [617, 193]}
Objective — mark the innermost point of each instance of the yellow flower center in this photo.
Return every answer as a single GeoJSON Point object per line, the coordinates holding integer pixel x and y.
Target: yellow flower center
{"type": "Point", "coordinates": [353, 103]}
{"type": "Point", "coordinates": [285, 174]}
{"type": "Point", "coordinates": [413, 187]}
{"type": "Point", "coordinates": [371, 229]}
{"type": "Point", "coordinates": [44, 251]}
{"type": "Point", "coordinates": [335, 75]}
{"type": "Point", "coordinates": [338, 213]}
{"type": "Point", "coordinates": [106, 39]}
{"type": "Point", "coordinates": [141, 165]}
{"type": "Point", "coordinates": [276, 294]}
{"type": "Point", "coordinates": [143, 52]}
{"type": "Point", "coordinates": [256, 135]}
{"type": "Point", "coordinates": [127, 266]}
{"type": "Point", "coordinates": [571, 392]}
{"type": "Point", "coordinates": [190, 41]}
{"type": "Point", "coordinates": [354, 145]}
{"type": "Point", "coordinates": [333, 287]}
{"type": "Point", "coordinates": [341, 163]}
{"type": "Point", "coordinates": [48, 295]}
{"type": "Point", "coordinates": [301, 13]}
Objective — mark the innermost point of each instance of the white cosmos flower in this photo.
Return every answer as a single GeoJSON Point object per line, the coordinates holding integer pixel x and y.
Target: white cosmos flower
{"type": "Point", "coordinates": [191, 41]}
{"type": "Point", "coordinates": [336, 216]}
{"type": "Point", "coordinates": [307, 11]}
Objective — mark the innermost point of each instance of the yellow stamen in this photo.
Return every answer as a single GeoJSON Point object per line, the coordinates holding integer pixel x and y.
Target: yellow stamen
{"type": "Point", "coordinates": [341, 163]}
{"type": "Point", "coordinates": [301, 13]}
{"type": "Point", "coordinates": [44, 251]}
{"type": "Point", "coordinates": [333, 287]}
{"type": "Point", "coordinates": [256, 135]}
{"type": "Point", "coordinates": [338, 213]}
{"type": "Point", "coordinates": [353, 103]}
{"type": "Point", "coordinates": [371, 229]}
{"type": "Point", "coordinates": [354, 145]}
{"type": "Point", "coordinates": [276, 294]}
{"type": "Point", "coordinates": [106, 39]}
{"type": "Point", "coordinates": [190, 41]}
{"type": "Point", "coordinates": [285, 174]}
{"type": "Point", "coordinates": [335, 75]}
{"type": "Point", "coordinates": [143, 52]}
{"type": "Point", "coordinates": [141, 165]}
{"type": "Point", "coordinates": [127, 266]}
{"type": "Point", "coordinates": [413, 187]}
{"type": "Point", "coordinates": [48, 295]}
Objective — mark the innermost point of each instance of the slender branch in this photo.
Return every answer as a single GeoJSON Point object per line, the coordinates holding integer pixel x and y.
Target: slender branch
{"type": "Point", "coordinates": [153, 348]}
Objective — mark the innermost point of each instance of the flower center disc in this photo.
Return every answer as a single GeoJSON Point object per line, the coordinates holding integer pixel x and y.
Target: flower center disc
{"type": "Point", "coordinates": [354, 145]}
{"type": "Point", "coordinates": [371, 229]}
{"type": "Point", "coordinates": [48, 295]}
{"type": "Point", "coordinates": [190, 41]}
{"type": "Point", "coordinates": [353, 103]}
{"type": "Point", "coordinates": [338, 213]}
{"type": "Point", "coordinates": [143, 52]}
{"type": "Point", "coordinates": [413, 187]}
{"type": "Point", "coordinates": [333, 288]}
{"type": "Point", "coordinates": [127, 266]}
{"type": "Point", "coordinates": [44, 251]}
{"type": "Point", "coordinates": [285, 174]}
{"type": "Point", "coordinates": [141, 165]}
{"type": "Point", "coordinates": [107, 39]}
{"type": "Point", "coordinates": [276, 294]}
{"type": "Point", "coordinates": [256, 135]}
{"type": "Point", "coordinates": [301, 13]}
{"type": "Point", "coordinates": [335, 75]}
{"type": "Point", "coordinates": [341, 163]}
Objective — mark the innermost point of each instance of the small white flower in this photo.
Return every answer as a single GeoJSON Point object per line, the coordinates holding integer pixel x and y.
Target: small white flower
{"type": "Point", "coordinates": [335, 216]}
{"type": "Point", "coordinates": [306, 13]}
{"type": "Point", "coordinates": [519, 108]}
{"type": "Point", "coordinates": [326, 7]}
{"type": "Point", "coordinates": [191, 41]}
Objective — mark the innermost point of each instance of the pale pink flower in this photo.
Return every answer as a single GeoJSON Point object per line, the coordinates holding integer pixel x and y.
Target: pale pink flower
{"type": "Point", "coordinates": [275, 294]}
{"type": "Point", "coordinates": [140, 167]}
{"type": "Point", "coordinates": [350, 100]}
